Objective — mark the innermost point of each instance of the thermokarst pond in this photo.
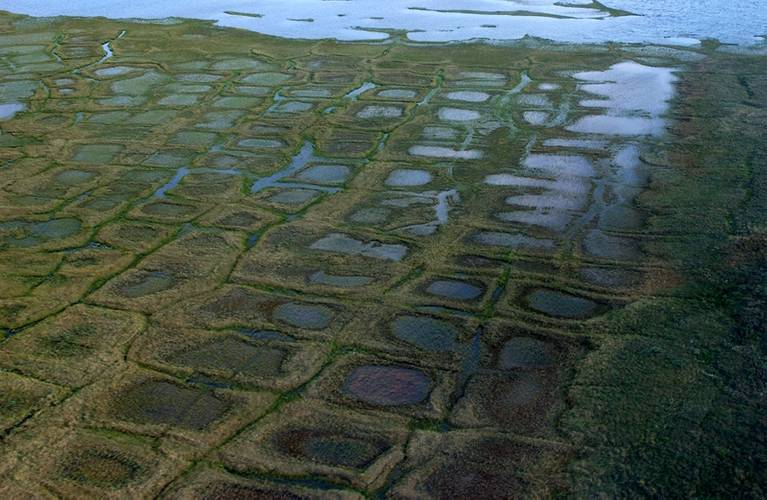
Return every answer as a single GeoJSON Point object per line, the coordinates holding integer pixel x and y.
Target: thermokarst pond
{"type": "Point", "coordinates": [382, 249]}
{"type": "Point", "coordinates": [387, 385]}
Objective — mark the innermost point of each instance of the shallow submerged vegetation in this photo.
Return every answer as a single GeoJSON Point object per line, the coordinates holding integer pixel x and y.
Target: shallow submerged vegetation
{"type": "Point", "coordinates": [296, 269]}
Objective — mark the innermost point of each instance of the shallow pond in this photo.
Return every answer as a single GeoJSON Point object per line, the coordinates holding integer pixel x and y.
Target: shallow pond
{"type": "Point", "coordinates": [535, 117]}
{"type": "Point", "coordinates": [468, 96]}
{"type": "Point", "coordinates": [179, 100]}
{"type": "Point", "coordinates": [618, 125]}
{"type": "Point", "coordinates": [316, 93]}
{"type": "Point", "coordinates": [22, 234]}
{"type": "Point", "coordinates": [74, 177]}
{"type": "Point", "coordinates": [325, 174]}
{"type": "Point", "coordinates": [425, 332]}
{"type": "Point", "coordinates": [404, 177]}
{"type": "Point", "coordinates": [354, 94]}
{"type": "Point", "coordinates": [560, 304]}
{"type": "Point", "coordinates": [594, 144]}
{"type": "Point", "coordinates": [8, 110]}
{"type": "Point", "coordinates": [546, 87]}
{"type": "Point", "coordinates": [232, 355]}
{"type": "Point", "coordinates": [387, 385]}
{"type": "Point", "coordinates": [534, 100]}
{"type": "Point", "coordinates": [629, 87]}
{"type": "Point", "coordinates": [96, 153]}
{"type": "Point", "coordinates": [299, 161]}
{"type": "Point", "coordinates": [115, 71]}
{"type": "Point", "coordinates": [562, 201]}
{"type": "Point", "coordinates": [606, 246]}
{"type": "Point", "coordinates": [512, 240]}
{"type": "Point", "coordinates": [561, 165]}
{"type": "Point", "coordinates": [458, 115]}
{"type": "Point", "coordinates": [291, 107]}
{"type": "Point", "coordinates": [397, 94]}
{"type": "Point", "coordinates": [311, 317]}
{"type": "Point", "coordinates": [554, 220]}
{"type": "Point", "coordinates": [160, 402]}
{"type": "Point", "coordinates": [439, 133]}
{"type": "Point", "coordinates": [454, 289]}
{"type": "Point", "coordinates": [341, 243]}
{"type": "Point", "coordinates": [379, 112]}
{"type": "Point", "coordinates": [294, 196]}
{"type": "Point", "coordinates": [444, 152]}
{"type": "Point", "coordinates": [342, 448]}
{"type": "Point", "coordinates": [265, 78]}
{"type": "Point", "coordinates": [236, 102]}
{"type": "Point", "coordinates": [635, 97]}
{"type": "Point", "coordinates": [166, 209]}
{"type": "Point", "coordinates": [261, 143]}
{"type": "Point", "coordinates": [322, 278]}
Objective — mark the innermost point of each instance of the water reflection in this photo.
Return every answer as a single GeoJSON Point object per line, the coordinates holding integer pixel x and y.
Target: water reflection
{"type": "Point", "coordinates": [448, 20]}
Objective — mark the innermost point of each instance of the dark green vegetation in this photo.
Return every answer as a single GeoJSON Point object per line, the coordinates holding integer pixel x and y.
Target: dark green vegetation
{"type": "Point", "coordinates": [240, 267]}
{"type": "Point", "coordinates": [680, 400]}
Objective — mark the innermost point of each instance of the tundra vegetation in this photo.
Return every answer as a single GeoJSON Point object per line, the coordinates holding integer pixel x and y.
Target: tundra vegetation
{"type": "Point", "coordinates": [236, 266]}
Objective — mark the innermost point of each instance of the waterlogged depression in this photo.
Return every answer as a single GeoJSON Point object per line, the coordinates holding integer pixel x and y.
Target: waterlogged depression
{"type": "Point", "coordinates": [656, 21]}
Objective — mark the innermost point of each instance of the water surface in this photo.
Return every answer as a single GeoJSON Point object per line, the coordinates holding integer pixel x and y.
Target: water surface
{"type": "Point", "coordinates": [657, 21]}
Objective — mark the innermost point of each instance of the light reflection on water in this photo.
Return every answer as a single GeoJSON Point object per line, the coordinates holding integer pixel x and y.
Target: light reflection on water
{"type": "Point", "coordinates": [677, 22]}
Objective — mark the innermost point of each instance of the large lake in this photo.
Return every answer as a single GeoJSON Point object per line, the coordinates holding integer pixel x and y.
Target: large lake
{"type": "Point", "coordinates": [679, 22]}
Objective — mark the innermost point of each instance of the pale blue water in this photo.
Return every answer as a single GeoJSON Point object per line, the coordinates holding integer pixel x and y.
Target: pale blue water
{"type": "Point", "coordinates": [679, 22]}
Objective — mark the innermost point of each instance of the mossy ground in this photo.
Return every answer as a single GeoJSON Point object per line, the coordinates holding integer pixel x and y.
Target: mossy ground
{"type": "Point", "coordinates": [236, 265]}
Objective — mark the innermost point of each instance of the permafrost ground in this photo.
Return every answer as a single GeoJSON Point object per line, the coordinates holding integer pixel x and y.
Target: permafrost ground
{"type": "Point", "coordinates": [240, 267]}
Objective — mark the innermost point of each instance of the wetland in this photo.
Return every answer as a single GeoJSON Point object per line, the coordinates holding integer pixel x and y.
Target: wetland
{"type": "Point", "coordinates": [366, 261]}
